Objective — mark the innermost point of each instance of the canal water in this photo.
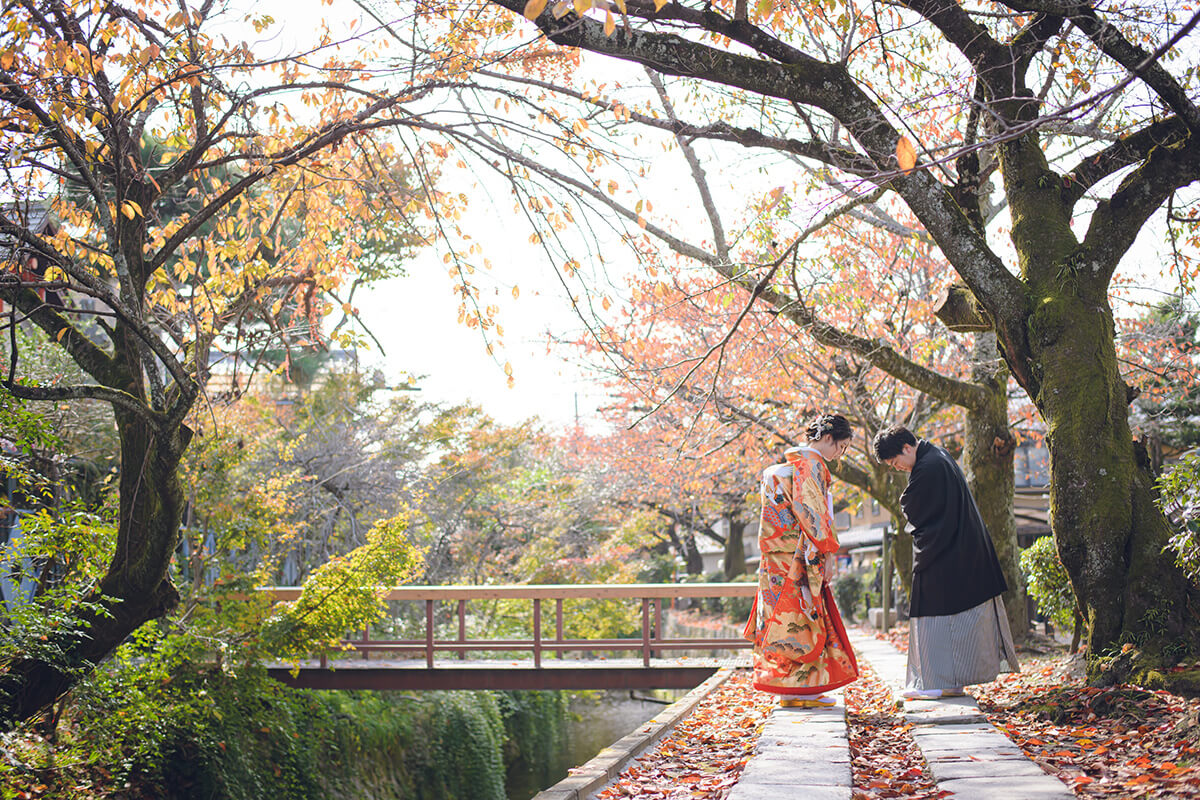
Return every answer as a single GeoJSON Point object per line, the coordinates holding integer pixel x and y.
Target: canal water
{"type": "Point", "coordinates": [597, 720]}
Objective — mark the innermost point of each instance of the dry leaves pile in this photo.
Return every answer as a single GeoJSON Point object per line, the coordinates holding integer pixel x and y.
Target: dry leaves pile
{"type": "Point", "coordinates": [705, 753]}
{"type": "Point", "coordinates": [885, 761]}
{"type": "Point", "coordinates": [1122, 741]}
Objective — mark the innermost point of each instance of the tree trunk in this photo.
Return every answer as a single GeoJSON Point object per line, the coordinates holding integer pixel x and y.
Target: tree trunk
{"type": "Point", "coordinates": [1108, 531]}
{"type": "Point", "coordinates": [691, 553]}
{"type": "Point", "coordinates": [902, 552]}
{"type": "Point", "coordinates": [735, 549]}
{"type": "Point", "coordinates": [136, 587]}
{"type": "Point", "coordinates": [989, 469]}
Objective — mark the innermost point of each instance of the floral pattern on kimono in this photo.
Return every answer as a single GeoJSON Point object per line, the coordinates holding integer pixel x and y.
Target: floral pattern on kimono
{"type": "Point", "coordinates": [800, 643]}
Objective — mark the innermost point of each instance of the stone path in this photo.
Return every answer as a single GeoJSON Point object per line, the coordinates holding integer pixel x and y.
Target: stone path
{"type": "Point", "coordinates": [805, 753]}
{"type": "Point", "coordinates": [807, 750]}
{"type": "Point", "coordinates": [802, 753]}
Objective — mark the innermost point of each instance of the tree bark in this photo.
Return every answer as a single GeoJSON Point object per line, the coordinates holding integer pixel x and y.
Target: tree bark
{"type": "Point", "coordinates": [1109, 533]}
{"type": "Point", "coordinates": [989, 462]}
{"type": "Point", "coordinates": [691, 553]}
{"type": "Point", "coordinates": [902, 553]}
{"type": "Point", "coordinates": [735, 549]}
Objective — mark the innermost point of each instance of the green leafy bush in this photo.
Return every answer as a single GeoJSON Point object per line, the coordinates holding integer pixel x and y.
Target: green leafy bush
{"type": "Point", "coordinates": [847, 591]}
{"type": "Point", "coordinates": [154, 722]}
{"type": "Point", "coordinates": [1179, 497]}
{"type": "Point", "coordinates": [1048, 583]}
{"type": "Point", "coordinates": [344, 594]}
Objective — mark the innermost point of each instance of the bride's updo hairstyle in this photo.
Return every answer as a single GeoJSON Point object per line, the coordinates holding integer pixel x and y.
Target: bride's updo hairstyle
{"type": "Point", "coordinates": [834, 424]}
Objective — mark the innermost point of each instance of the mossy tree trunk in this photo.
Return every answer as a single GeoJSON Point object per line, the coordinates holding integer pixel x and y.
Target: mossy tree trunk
{"type": "Point", "coordinates": [902, 552]}
{"type": "Point", "coordinates": [1109, 533]}
{"type": "Point", "coordinates": [135, 587]}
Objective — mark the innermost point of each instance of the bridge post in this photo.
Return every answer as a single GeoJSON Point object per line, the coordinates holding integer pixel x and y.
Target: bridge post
{"type": "Point", "coordinates": [429, 633]}
{"type": "Point", "coordinates": [558, 624]}
{"type": "Point", "coordinates": [537, 633]}
{"type": "Point", "coordinates": [462, 627]}
{"type": "Point", "coordinates": [645, 631]}
{"type": "Point", "coordinates": [657, 625]}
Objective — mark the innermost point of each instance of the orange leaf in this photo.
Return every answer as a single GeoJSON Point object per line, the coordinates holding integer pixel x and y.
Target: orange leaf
{"type": "Point", "coordinates": [610, 24]}
{"type": "Point", "coordinates": [534, 9]}
{"type": "Point", "coordinates": [906, 156]}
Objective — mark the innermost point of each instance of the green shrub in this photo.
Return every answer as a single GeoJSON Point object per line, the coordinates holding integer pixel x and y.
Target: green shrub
{"type": "Point", "coordinates": [847, 591]}
{"type": "Point", "coordinates": [1179, 497]}
{"type": "Point", "coordinates": [156, 720]}
{"type": "Point", "coordinates": [1048, 583]}
{"type": "Point", "coordinates": [872, 597]}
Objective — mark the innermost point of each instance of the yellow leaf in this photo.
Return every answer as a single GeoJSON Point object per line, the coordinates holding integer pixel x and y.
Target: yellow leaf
{"type": "Point", "coordinates": [658, 4]}
{"type": "Point", "coordinates": [906, 156]}
{"type": "Point", "coordinates": [621, 6]}
{"type": "Point", "coordinates": [507, 368]}
{"type": "Point", "coordinates": [610, 24]}
{"type": "Point", "coordinates": [58, 337]}
{"type": "Point", "coordinates": [581, 6]}
{"type": "Point", "coordinates": [534, 9]}
{"type": "Point", "coordinates": [6, 59]}
{"type": "Point", "coordinates": [561, 8]}
{"type": "Point", "coordinates": [130, 209]}
{"type": "Point", "coordinates": [516, 292]}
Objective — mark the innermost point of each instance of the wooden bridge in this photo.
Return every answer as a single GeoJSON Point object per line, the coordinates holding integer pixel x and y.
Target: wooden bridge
{"type": "Point", "coordinates": [539, 662]}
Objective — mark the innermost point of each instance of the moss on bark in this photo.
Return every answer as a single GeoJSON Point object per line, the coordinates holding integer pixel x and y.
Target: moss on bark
{"type": "Point", "coordinates": [1109, 534]}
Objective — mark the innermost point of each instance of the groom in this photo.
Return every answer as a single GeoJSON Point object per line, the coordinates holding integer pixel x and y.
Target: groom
{"type": "Point", "coordinates": [958, 630]}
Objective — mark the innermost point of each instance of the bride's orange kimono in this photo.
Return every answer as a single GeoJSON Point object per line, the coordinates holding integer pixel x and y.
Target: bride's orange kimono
{"type": "Point", "coordinates": [800, 644]}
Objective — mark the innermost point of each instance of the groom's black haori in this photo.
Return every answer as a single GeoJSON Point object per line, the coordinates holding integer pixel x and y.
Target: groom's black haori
{"type": "Point", "coordinates": [958, 630]}
{"type": "Point", "coordinates": [954, 563]}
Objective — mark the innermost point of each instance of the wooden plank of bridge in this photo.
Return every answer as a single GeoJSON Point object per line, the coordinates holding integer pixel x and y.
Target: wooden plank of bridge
{"type": "Point", "coordinates": [410, 675]}
{"type": "Point", "coordinates": [549, 591]}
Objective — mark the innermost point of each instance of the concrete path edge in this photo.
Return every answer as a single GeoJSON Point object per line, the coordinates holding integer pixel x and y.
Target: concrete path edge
{"type": "Point", "coordinates": [593, 776]}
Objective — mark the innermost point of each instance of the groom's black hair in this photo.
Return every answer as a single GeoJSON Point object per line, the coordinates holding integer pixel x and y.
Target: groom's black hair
{"type": "Point", "coordinates": [889, 442]}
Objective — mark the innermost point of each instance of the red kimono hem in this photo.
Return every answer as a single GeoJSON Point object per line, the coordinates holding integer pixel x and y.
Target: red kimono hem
{"type": "Point", "coordinates": [839, 631]}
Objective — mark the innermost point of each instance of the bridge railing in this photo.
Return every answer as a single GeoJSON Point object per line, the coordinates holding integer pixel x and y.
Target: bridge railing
{"type": "Point", "coordinates": [650, 643]}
